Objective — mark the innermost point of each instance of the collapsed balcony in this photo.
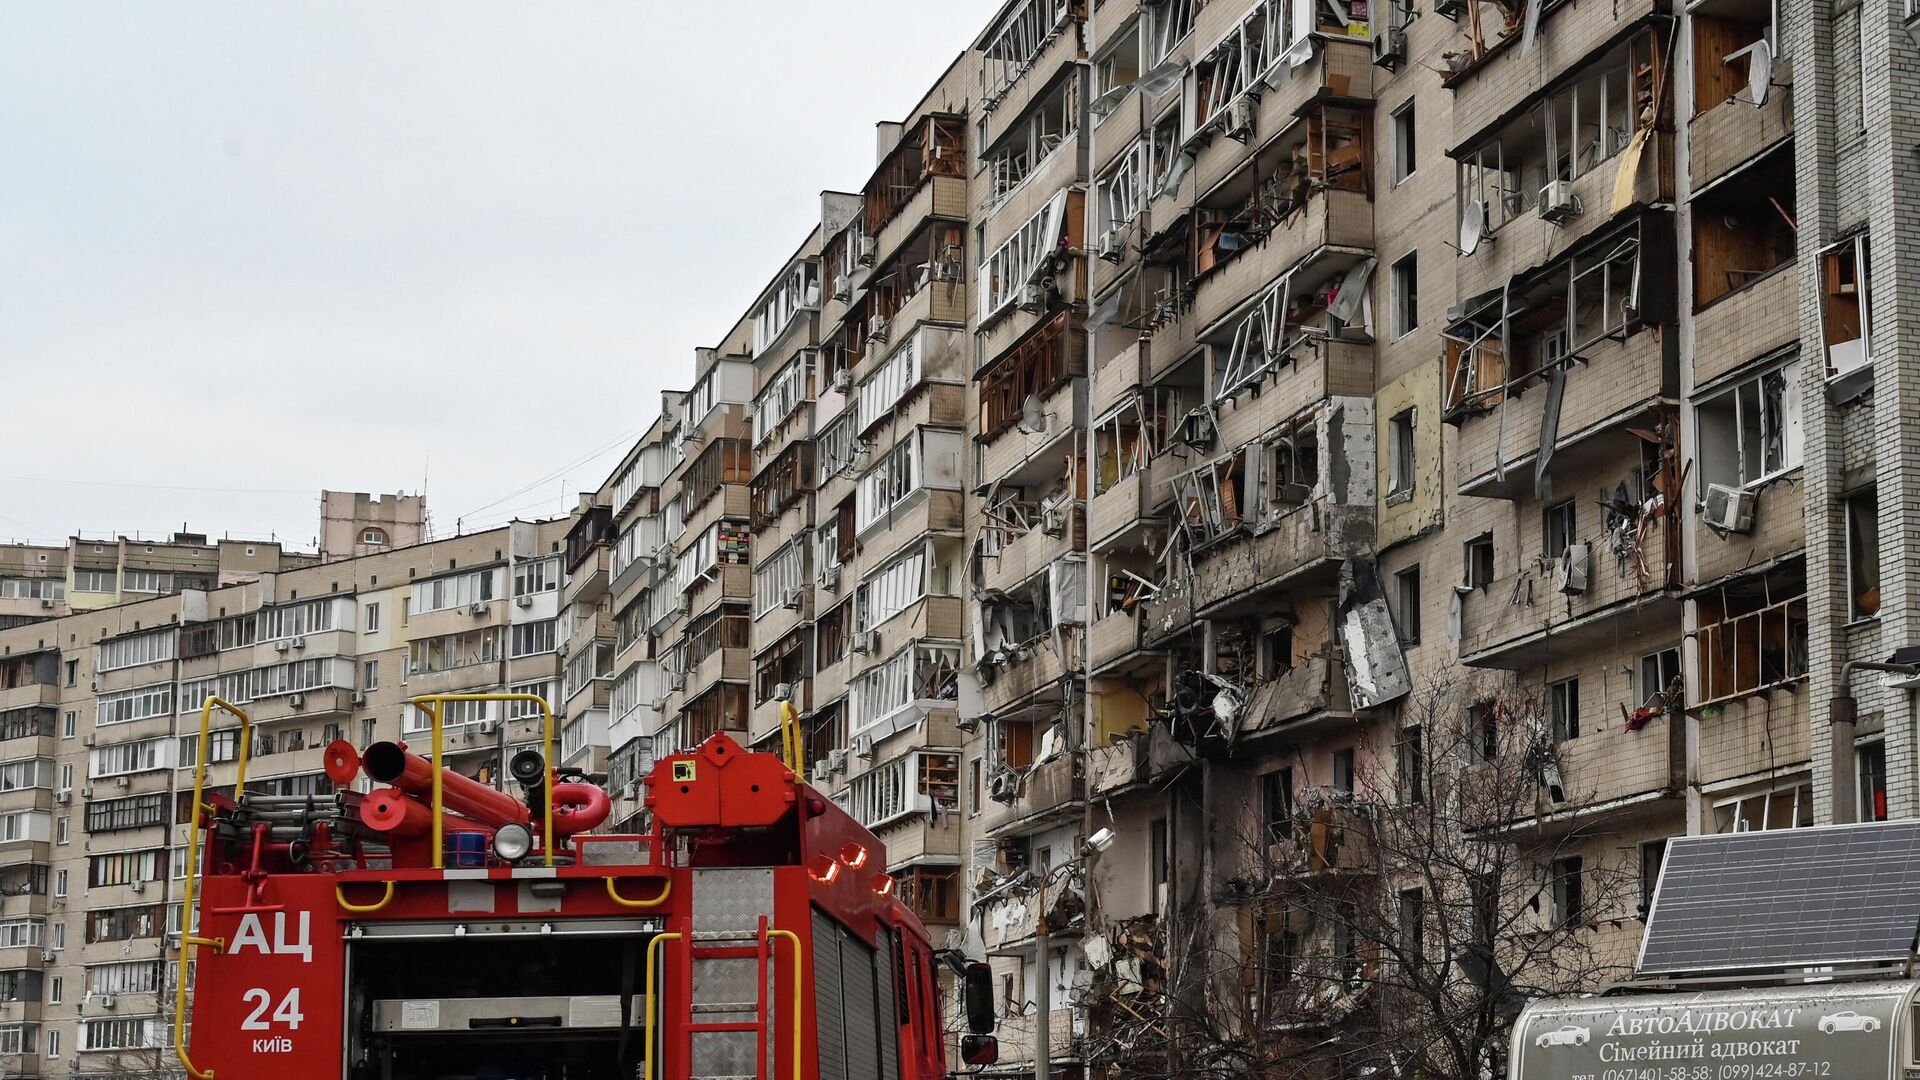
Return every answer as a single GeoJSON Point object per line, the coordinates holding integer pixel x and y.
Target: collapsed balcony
{"type": "Point", "coordinates": [1029, 638]}
{"type": "Point", "coordinates": [1593, 329]}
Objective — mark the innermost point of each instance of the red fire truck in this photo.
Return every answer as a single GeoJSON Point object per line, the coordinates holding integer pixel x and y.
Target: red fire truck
{"type": "Point", "coordinates": [436, 928]}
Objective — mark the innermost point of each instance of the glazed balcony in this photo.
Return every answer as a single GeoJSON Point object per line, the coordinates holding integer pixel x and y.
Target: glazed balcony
{"type": "Point", "coordinates": [1340, 72]}
{"type": "Point", "coordinates": [465, 679]}
{"type": "Point", "coordinates": [1503, 78]}
{"type": "Point", "coordinates": [326, 701]}
{"type": "Point", "coordinates": [922, 177]}
{"type": "Point", "coordinates": [587, 579]}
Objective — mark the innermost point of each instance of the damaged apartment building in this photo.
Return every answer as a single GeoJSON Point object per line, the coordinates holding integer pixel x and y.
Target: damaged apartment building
{"type": "Point", "coordinates": [1201, 396]}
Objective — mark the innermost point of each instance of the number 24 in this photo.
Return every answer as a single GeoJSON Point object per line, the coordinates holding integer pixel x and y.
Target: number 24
{"type": "Point", "coordinates": [288, 1013]}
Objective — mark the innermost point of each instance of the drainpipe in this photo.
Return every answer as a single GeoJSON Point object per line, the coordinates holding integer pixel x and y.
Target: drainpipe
{"type": "Point", "coordinates": [1843, 709]}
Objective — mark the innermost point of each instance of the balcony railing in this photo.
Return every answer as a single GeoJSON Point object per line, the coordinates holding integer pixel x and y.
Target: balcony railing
{"type": "Point", "coordinates": [1759, 650]}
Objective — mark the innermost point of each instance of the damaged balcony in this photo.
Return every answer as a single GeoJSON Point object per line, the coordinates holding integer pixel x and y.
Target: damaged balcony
{"type": "Point", "coordinates": [1036, 797]}
{"type": "Point", "coordinates": [1745, 239]}
{"type": "Point", "coordinates": [1547, 174]}
{"type": "Point", "coordinates": [1032, 401]}
{"type": "Point", "coordinates": [1753, 636]}
{"type": "Point", "coordinates": [1588, 589]}
{"type": "Point", "coordinates": [1133, 464]}
{"type": "Point", "coordinates": [1038, 268]}
{"type": "Point", "coordinates": [1593, 331]}
{"type": "Point", "coordinates": [1742, 90]}
{"type": "Point", "coordinates": [1031, 672]}
{"type": "Point", "coordinates": [1114, 644]}
{"type": "Point", "coordinates": [924, 282]}
{"type": "Point", "coordinates": [1029, 640]}
{"type": "Point", "coordinates": [1494, 76]}
{"type": "Point", "coordinates": [1280, 513]}
{"type": "Point", "coordinates": [1322, 71]}
{"type": "Point", "coordinates": [922, 177]}
{"type": "Point", "coordinates": [1021, 539]}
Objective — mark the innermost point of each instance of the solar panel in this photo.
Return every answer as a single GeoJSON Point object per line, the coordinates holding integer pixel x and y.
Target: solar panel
{"type": "Point", "coordinates": [1839, 894]}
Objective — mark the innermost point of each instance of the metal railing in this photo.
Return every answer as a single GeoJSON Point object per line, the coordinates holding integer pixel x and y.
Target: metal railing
{"type": "Point", "coordinates": [430, 704]}
{"type": "Point", "coordinates": [1746, 653]}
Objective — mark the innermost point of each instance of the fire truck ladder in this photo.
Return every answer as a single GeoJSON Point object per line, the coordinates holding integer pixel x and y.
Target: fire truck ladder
{"type": "Point", "coordinates": [723, 1014]}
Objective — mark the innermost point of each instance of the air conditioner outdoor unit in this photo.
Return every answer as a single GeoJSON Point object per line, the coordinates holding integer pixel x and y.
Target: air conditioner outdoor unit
{"type": "Point", "coordinates": [1053, 523]}
{"type": "Point", "coordinates": [173, 939]}
{"type": "Point", "coordinates": [1113, 245]}
{"type": "Point", "coordinates": [837, 760]}
{"type": "Point", "coordinates": [843, 380]}
{"type": "Point", "coordinates": [869, 248]}
{"type": "Point", "coordinates": [46, 956]}
{"type": "Point", "coordinates": [1729, 509]}
{"type": "Point", "coordinates": [138, 887]}
{"type": "Point", "coordinates": [299, 643]}
{"type": "Point", "coordinates": [63, 796]}
{"type": "Point", "coordinates": [1033, 297]}
{"type": "Point", "coordinates": [842, 289]}
{"type": "Point", "coordinates": [790, 599]}
{"type": "Point", "coordinates": [523, 601]}
{"type": "Point", "coordinates": [677, 683]}
{"type": "Point", "coordinates": [296, 700]}
{"type": "Point", "coordinates": [121, 781]}
{"type": "Point", "coordinates": [830, 577]}
{"type": "Point", "coordinates": [862, 746]}
{"type": "Point", "coordinates": [86, 740]}
{"type": "Point", "coordinates": [282, 646]}
{"type": "Point", "coordinates": [866, 641]}
{"type": "Point", "coordinates": [1558, 203]}
{"type": "Point", "coordinates": [358, 699]}
{"type": "Point", "coordinates": [1240, 118]}
{"type": "Point", "coordinates": [478, 607]}
{"type": "Point", "coordinates": [877, 329]}
{"type": "Point", "coordinates": [968, 724]}
{"type": "Point", "coordinates": [1004, 786]}
{"type": "Point", "coordinates": [1390, 48]}
{"type": "Point", "coordinates": [1576, 564]}
{"type": "Point", "coordinates": [106, 1001]}
{"type": "Point", "coordinates": [87, 792]}
{"type": "Point", "coordinates": [487, 727]}
{"type": "Point", "coordinates": [46, 605]}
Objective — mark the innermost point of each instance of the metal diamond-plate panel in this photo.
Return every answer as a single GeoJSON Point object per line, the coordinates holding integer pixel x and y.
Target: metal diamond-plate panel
{"type": "Point", "coordinates": [725, 980]}
{"type": "Point", "coordinates": [723, 1053]}
{"type": "Point", "coordinates": [731, 899]}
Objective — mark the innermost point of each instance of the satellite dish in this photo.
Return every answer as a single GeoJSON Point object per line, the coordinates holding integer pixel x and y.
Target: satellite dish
{"type": "Point", "coordinates": [1759, 71]}
{"type": "Point", "coordinates": [1473, 226]}
{"type": "Point", "coordinates": [1032, 420]}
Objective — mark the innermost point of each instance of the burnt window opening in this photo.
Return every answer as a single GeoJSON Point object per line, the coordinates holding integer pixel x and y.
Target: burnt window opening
{"type": "Point", "coordinates": [1744, 228]}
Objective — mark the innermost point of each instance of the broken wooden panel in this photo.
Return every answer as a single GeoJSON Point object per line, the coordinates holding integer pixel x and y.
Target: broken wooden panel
{"type": "Point", "coordinates": [723, 461]}
{"type": "Point", "coordinates": [1375, 664]}
{"type": "Point", "coordinates": [935, 145]}
{"type": "Point", "coordinates": [1043, 362]}
{"type": "Point", "coordinates": [782, 483]}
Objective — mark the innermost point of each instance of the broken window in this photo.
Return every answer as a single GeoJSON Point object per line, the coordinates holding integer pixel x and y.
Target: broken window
{"type": "Point", "coordinates": [1343, 770]}
{"type": "Point", "coordinates": [1561, 529]}
{"type": "Point", "coordinates": [837, 449]}
{"type": "Point", "coordinates": [920, 674]}
{"type": "Point", "coordinates": [1744, 227]}
{"type": "Point", "coordinates": [1753, 636]}
{"type": "Point", "coordinates": [1870, 767]}
{"type": "Point", "coordinates": [1017, 39]}
{"type": "Point", "coordinates": [1121, 190]}
{"type": "Point", "coordinates": [1660, 683]}
{"type": "Point", "coordinates": [1276, 802]}
{"type": "Point", "coordinates": [1011, 390]}
{"type": "Point", "coordinates": [1733, 53]}
{"type": "Point", "coordinates": [1407, 604]}
{"type": "Point", "coordinates": [1406, 294]}
{"type": "Point", "coordinates": [1483, 731]}
{"type": "Point", "coordinates": [1412, 760]}
{"type": "Point", "coordinates": [1563, 706]}
{"type": "Point", "coordinates": [1013, 742]}
{"type": "Point", "coordinates": [892, 588]}
{"type": "Point", "coordinates": [1236, 64]}
{"type": "Point", "coordinates": [1400, 455]}
{"type": "Point", "coordinates": [1209, 498]}
{"type": "Point", "coordinates": [1259, 342]}
{"type": "Point", "coordinates": [782, 483]}
{"type": "Point", "coordinates": [932, 146]}
{"type": "Point", "coordinates": [1032, 248]}
{"type": "Point", "coordinates": [830, 634]}
{"type": "Point", "coordinates": [1863, 555]}
{"type": "Point", "coordinates": [1476, 367]}
{"type": "Point", "coordinates": [1750, 432]}
{"type": "Point", "coordinates": [1789, 806]}
{"type": "Point", "coordinates": [1168, 22]}
{"type": "Point", "coordinates": [933, 893]}
{"type": "Point", "coordinates": [1846, 288]}
{"type": "Point", "coordinates": [1033, 138]}
{"type": "Point", "coordinates": [1276, 651]}
{"type": "Point", "coordinates": [1569, 890]}
{"type": "Point", "coordinates": [784, 665]}
{"type": "Point", "coordinates": [1163, 150]}
{"type": "Point", "coordinates": [1132, 434]}
{"type": "Point", "coordinates": [925, 459]}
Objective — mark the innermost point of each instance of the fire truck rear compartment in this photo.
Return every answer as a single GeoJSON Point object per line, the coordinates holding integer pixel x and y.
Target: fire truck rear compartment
{"type": "Point", "coordinates": [510, 1004]}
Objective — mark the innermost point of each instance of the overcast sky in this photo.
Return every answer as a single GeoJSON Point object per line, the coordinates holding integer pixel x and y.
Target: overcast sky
{"type": "Point", "coordinates": [251, 250]}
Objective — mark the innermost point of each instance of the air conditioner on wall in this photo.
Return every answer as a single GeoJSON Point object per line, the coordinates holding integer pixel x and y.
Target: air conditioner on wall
{"type": "Point", "coordinates": [1576, 564]}
{"type": "Point", "coordinates": [869, 249]}
{"type": "Point", "coordinates": [830, 577]}
{"type": "Point", "coordinates": [523, 601]}
{"type": "Point", "coordinates": [1240, 118]}
{"type": "Point", "coordinates": [842, 289]}
{"type": "Point", "coordinates": [1113, 245]}
{"type": "Point", "coordinates": [842, 380]}
{"type": "Point", "coordinates": [296, 700]}
{"type": "Point", "coordinates": [1390, 48]}
{"type": "Point", "coordinates": [1729, 509]}
{"type": "Point", "coordinates": [790, 599]}
{"type": "Point", "coordinates": [1558, 203]}
{"type": "Point", "coordinates": [836, 761]}
{"type": "Point", "coordinates": [479, 607]}
{"type": "Point", "coordinates": [877, 329]}
{"type": "Point", "coordinates": [1033, 296]}
{"type": "Point", "coordinates": [862, 746]}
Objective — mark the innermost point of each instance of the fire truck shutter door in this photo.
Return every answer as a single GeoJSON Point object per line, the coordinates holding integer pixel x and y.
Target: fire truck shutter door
{"type": "Point", "coordinates": [832, 1035]}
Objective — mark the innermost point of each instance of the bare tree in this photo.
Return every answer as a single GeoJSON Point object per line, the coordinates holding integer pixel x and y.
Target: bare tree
{"type": "Point", "coordinates": [1394, 930]}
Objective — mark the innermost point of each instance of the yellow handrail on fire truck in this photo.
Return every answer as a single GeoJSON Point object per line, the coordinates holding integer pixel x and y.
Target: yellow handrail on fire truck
{"type": "Point", "coordinates": [189, 939]}
{"type": "Point", "coordinates": [430, 704]}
